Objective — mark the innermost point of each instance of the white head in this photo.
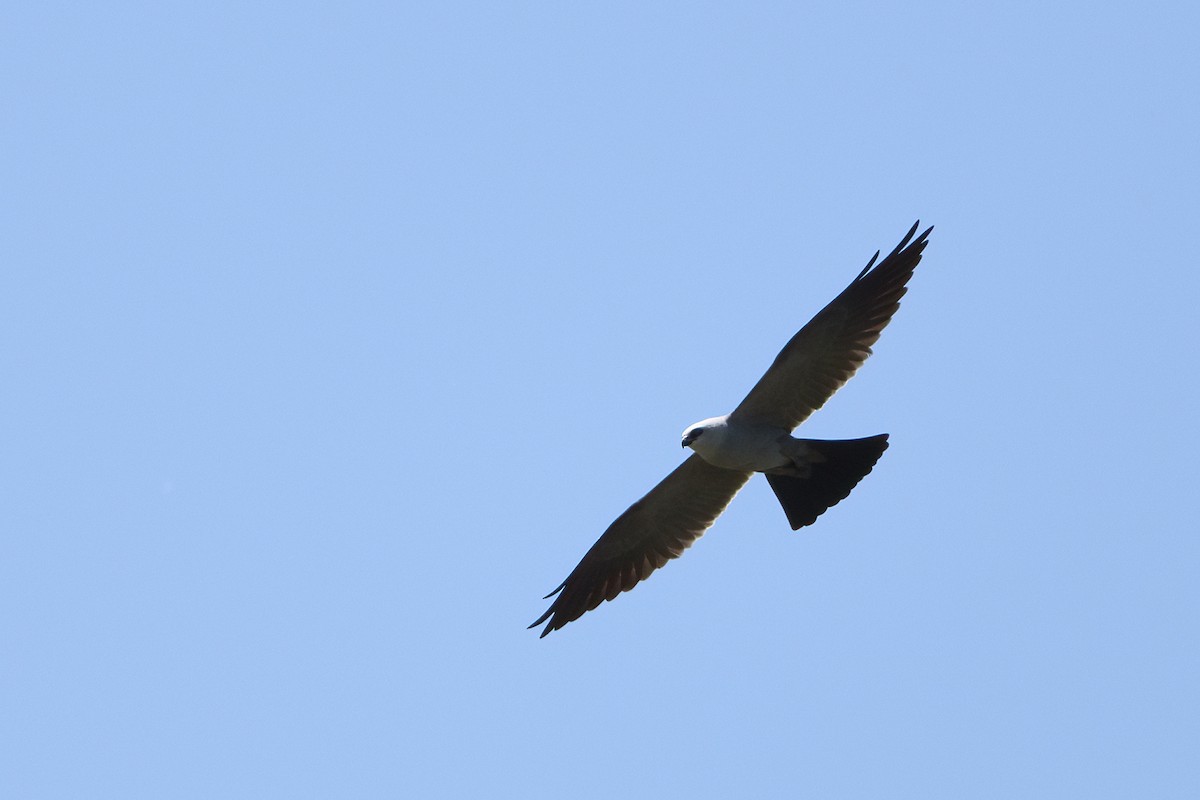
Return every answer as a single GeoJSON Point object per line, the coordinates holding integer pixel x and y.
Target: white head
{"type": "Point", "coordinates": [694, 432]}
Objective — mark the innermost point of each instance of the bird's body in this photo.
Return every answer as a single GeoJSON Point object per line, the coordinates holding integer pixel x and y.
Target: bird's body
{"type": "Point", "coordinates": [808, 476]}
{"type": "Point", "coordinates": [737, 445]}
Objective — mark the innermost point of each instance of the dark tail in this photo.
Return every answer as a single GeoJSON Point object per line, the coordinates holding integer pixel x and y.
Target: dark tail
{"type": "Point", "coordinates": [839, 466]}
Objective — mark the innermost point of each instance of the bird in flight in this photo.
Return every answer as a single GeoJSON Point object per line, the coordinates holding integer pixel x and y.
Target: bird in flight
{"type": "Point", "coordinates": [807, 475]}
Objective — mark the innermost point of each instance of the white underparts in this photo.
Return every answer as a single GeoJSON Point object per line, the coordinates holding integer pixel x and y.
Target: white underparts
{"type": "Point", "coordinates": [750, 448]}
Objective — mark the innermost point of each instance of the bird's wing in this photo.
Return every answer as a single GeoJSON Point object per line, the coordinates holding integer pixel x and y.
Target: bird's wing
{"type": "Point", "coordinates": [834, 344]}
{"type": "Point", "coordinates": [650, 533]}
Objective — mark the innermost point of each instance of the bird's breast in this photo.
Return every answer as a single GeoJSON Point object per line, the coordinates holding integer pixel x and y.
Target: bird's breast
{"type": "Point", "coordinates": [749, 448]}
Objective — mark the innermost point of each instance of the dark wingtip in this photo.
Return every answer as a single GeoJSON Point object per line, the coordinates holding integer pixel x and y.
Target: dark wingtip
{"type": "Point", "coordinates": [870, 264]}
{"type": "Point", "coordinates": [549, 612]}
{"type": "Point", "coordinates": [924, 234]}
{"type": "Point", "coordinates": [908, 238]}
{"type": "Point", "coordinates": [539, 621]}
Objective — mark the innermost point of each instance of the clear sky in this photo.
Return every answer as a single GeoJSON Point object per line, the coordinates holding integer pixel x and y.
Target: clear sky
{"type": "Point", "coordinates": [334, 334]}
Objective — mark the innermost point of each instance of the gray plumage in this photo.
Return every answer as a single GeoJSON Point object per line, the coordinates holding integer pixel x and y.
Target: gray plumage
{"type": "Point", "coordinates": [808, 476]}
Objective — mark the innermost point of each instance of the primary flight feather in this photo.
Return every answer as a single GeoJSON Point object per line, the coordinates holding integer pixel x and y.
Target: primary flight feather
{"type": "Point", "coordinates": [807, 475]}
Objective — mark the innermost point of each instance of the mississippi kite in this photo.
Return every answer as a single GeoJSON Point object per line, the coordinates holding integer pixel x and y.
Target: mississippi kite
{"type": "Point", "coordinates": [807, 475]}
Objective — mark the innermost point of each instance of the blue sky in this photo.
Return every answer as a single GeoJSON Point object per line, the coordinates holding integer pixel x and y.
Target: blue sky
{"type": "Point", "coordinates": [335, 334]}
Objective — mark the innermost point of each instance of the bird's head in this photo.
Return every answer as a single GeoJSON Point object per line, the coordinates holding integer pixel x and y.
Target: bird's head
{"type": "Point", "coordinates": [694, 432]}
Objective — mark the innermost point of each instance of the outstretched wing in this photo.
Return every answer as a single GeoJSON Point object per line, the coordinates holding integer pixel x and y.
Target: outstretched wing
{"type": "Point", "coordinates": [651, 532]}
{"type": "Point", "coordinates": [833, 345]}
